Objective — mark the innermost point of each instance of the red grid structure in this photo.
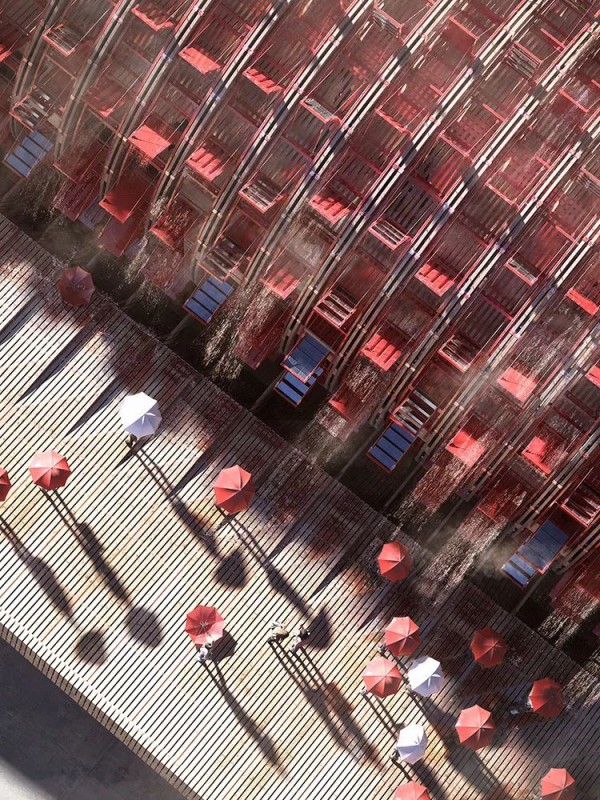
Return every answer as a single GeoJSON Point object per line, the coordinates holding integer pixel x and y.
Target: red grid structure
{"type": "Point", "coordinates": [411, 184]}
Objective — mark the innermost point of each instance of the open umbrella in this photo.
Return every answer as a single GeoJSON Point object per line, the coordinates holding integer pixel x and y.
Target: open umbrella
{"type": "Point", "coordinates": [488, 647]}
{"type": "Point", "coordinates": [5, 485]}
{"type": "Point", "coordinates": [381, 677]}
{"type": "Point", "coordinates": [412, 791]}
{"type": "Point", "coordinates": [475, 727]}
{"type": "Point", "coordinates": [204, 624]}
{"type": "Point", "coordinates": [76, 286]}
{"type": "Point", "coordinates": [49, 470]}
{"type": "Point", "coordinates": [425, 676]}
{"type": "Point", "coordinates": [557, 784]}
{"type": "Point", "coordinates": [546, 698]}
{"type": "Point", "coordinates": [140, 415]}
{"type": "Point", "coordinates": [402, 636]}
{"type": "Point", "coordinates": [411, 743]}
{"type": "Point", "coordinates": [233, 489]}
{"type": "Point", "coordinates": [394, 561]}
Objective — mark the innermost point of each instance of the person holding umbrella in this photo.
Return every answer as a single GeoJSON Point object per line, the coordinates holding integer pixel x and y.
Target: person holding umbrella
{"type": "Point", "coordinates": [204, 653]}
{"type": "Point", "coordinates": [301, 636]}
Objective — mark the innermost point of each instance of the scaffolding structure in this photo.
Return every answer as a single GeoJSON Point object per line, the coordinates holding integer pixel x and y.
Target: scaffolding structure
{"type": "Point", "coordinates": [401, 197]}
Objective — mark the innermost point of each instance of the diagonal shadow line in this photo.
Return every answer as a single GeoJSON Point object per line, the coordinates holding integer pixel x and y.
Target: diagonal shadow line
{"type": "Point", "coordinates": [92, 547]}
{"type": "Point", "coordinates": [59, 361]}
{"type": "Point", "coordinates": [264, 743]}
{"type": "Point", "coordinates": [274, 576]}
{"type": "Point", "coordinates": [320, 696]}
{"type": "Point", "coordinates": [192, 523]}
{"type": "Point", "coordinates": [40, 571]}
{"type": "Point", "coordinates": [14, 325]}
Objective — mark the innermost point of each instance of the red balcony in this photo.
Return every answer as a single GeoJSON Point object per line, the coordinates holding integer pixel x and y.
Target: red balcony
{"type": "Point", "coordinates": [466, 447]}
{"type": "Point", "coordinates": [516, 384]}
{"type": "Point", "coordinates": [330, 206]}
{"type": "Point", "coordinates": [337, 307]}
{"type": "Point", "coordinates": [209, 161]}
{"type": "Point", "coordinates": [153, 137]}
{"type": "Point", "coordinates": [435, 279]}
{"type": "Point", "coordinates": [172, 226]}
{"type": "Point", "coordinates": [156, 16]}
{"type": "Point", "coordinates": [544, 450]}
{"type": "Point", "coordinates": [199, 60]}
{"type": "Point", "coordinates": [283, 279]}
{"type": "Point", "coordinates": [129, 195]}
{"type": "Point", "coordinates": [385, 347]}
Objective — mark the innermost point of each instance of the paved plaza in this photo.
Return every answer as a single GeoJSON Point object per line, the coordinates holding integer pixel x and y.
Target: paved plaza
{"type": "Point", "coordinates": [96, 581]}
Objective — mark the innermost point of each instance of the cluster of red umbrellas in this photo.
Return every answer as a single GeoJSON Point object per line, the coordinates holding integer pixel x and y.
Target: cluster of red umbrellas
{"type": "Point", "coordinates": [48, 469]}
{"type": "Point", "coordinates": [557, 784]}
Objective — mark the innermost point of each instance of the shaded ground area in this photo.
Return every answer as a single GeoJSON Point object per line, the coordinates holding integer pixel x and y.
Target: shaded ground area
{"type": "Point", "coordinates": [50, 749]}
{"type": "Point", "coordinates": [97, 580]}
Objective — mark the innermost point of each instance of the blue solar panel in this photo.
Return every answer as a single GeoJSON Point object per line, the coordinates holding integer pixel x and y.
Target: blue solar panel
{"type": "Point", "coordinates": [306, 357]}
{"type": "Point", "coordinates": [391, 446]}
{"type": "Point", "coordinates": [208, 298]}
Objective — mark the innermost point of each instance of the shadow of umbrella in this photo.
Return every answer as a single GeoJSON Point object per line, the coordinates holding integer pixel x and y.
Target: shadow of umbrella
{"type": "Point", "coordinates": [224, 648]}
{"type": "Point", "coordinates": [264, 743]}
{"type": "Point", "coordinates": [320, 631]}
{"type": "Point", "coordinates": [91, 648]}
{"type": "Point", "coordinates": [143, 626]}
{"type": "Point", "coordinates": [40, 571]}
{"type": "Point", "coordinates": [232, 571]}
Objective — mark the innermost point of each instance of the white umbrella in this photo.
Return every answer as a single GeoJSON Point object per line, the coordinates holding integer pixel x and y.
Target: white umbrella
{"type": "Point", "coordinates": [411, 743]}
{"type": "Point", "coordinates": [140, 415]}
{"type": "Point", "coordinates": [425, 676]}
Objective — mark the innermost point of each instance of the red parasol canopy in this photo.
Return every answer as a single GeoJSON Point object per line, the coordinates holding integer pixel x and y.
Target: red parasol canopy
{"type": "Point", "coordinates": [412, 791]}
{"type": "Point", "coordinates": [381, 677]}
{"type": "Point", "coordinates": [233, 490]}
{"type": "Point", "coordinates": [488, 647]}
{"type": "Point", "coordinates": [5, 485]}
{"type": "Point", "coordinates": [546, 698]}
{"type": "Point", "coordinates": [76, 287]}
{"type": "Point", "coordinates": [557, 784]}
{"type": "Point", "coordinates": [394, 561]}
{"type": "Point", "coordinates": [475, 727]}
{"type": "Point", "coordinates": [402, 636]}
{"type": "Point", "coordinates": [49, 469]}
{"type": "Point", "coordinates": [204, 624]}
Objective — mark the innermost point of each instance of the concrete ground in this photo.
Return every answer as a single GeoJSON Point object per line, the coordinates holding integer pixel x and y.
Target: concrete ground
{"type": "Point", "coordinates": [50, 749]}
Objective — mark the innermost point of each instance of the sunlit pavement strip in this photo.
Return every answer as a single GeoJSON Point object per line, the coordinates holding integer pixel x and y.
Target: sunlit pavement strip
{"type": "Point", "coordinates": [94, 590]}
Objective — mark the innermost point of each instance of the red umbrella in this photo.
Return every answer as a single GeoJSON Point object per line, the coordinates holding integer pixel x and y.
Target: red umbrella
{"type": "Point", "coordinates": [5, 484]}
{"type": "Point", "coordinates": [381, 677]}
{"type": "Point", "coordinates": [488, 647]}
{"type": "Point", "coordinates": [233, 490]}
{"type": "Point", "coordinates": [394, 561]}
{"type": "Point", "coordinates": [76, 287]}
{"type": "Point", "coordinates": [557, 784]}
{"type": "Point", "coordinates": [402, 636]}
{"type": "Point", "coordinates": [546, 698]}
{"type": "Point", "coordinates": [475, 727]}
{"type": "Point", "coordinates": [204, 624]}
{"type": "Point", "coordinates": [412, 791]}
{"type": "Point", "coordinates": [49, 470]}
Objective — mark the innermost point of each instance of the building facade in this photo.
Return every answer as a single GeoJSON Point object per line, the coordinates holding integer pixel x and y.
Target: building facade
{"type": "Point", "coordinates": [397, 199]}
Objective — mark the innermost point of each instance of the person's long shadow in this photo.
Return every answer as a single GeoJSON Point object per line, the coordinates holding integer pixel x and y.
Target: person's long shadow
{"type": "Point", "coordinates": [425, 775]}
{"type": "Point", "coordinates": [275, 578]}
{"type": "Point", "coordinates": [143, 624]}
{"type": "Point", "coordinates": [191, 522]}
{"type": "Point", "coordinates": [330, 704]}
{"type": "Point", "coordinates": [264, 743]}
{"type": "Point", "coordinates": [40, 571]}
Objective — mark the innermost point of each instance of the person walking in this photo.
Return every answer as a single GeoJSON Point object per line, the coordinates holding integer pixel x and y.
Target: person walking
{"type": "Point", "coordinates": [204, 653]}
{"type": "Point", "coordinates": [277, 632]}
{"type": "Point", "coordinates": [300, 639]}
